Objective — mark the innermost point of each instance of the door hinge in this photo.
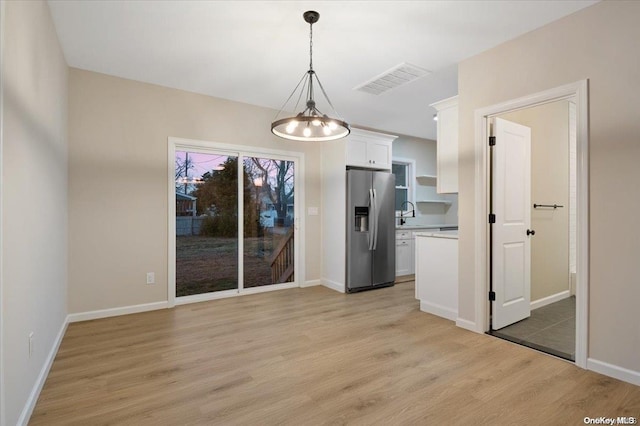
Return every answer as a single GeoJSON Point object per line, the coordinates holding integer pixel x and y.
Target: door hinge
{"type": "Point", "coordinates": [492, 140]}
{"type": "Point", "coordinates": [492, 218]}
{"type": "Point", "coordinates": [492, 296]}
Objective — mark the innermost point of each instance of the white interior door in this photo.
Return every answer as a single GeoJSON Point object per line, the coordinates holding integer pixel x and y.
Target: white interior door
{"type": "Point", "coordinates": [510, 239]}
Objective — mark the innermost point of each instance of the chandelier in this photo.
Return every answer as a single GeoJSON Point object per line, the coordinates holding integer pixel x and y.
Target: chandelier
{"type": "Point", "coordinates": [310, 124]}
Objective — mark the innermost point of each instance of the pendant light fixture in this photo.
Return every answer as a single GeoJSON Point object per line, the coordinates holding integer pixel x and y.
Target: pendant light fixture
{"type": "Point", "coordinates": [310, 124]}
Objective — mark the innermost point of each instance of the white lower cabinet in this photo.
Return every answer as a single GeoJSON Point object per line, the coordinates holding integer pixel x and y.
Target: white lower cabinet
{"type": "Point", "coordinates": [437, 274]}
{"type": "Point", "coordinates": [405, 257]}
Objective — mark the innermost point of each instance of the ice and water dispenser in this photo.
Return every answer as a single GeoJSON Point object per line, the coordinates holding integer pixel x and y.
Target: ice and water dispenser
{"type": "Point", "coordinates": [362, 219]}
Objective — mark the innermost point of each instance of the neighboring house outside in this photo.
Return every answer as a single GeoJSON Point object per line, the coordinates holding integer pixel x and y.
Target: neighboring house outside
{"type": "Point", "coordinates": [185, 205]}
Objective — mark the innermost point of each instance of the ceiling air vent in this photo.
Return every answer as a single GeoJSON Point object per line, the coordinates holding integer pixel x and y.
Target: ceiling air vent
{"type": "Point", "coordinates": [390, 79]}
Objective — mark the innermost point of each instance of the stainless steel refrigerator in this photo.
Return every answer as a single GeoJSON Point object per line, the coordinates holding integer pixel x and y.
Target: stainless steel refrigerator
{"type": "Point", "coordinates": [371, 255]}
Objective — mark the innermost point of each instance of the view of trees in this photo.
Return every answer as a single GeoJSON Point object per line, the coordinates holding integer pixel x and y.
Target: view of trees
{"type": "Point", "coordinates": [217, 197]}
{"type": "Point", "coordinates": [268, 184]}
{"type": "Point", "coordinates": [207, 244]}
{"type": "Point", "coordinates": [276, 180]}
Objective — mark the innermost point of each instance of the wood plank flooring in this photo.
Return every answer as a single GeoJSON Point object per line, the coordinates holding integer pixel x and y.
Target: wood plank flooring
{"type": "Point", "coordinates": [312, 357]}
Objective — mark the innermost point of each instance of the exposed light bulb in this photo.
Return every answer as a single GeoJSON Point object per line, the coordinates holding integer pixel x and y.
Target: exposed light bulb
{"type": "Point", "coordinates": [292, 126]}
{"type": "Point", "coordinates": [333, 125]}
{"type": "Point", "coordinates": [316, 122]}
{"type": "Point", "coordinates": [326, 130]}
{"type": "Point", "coordinates": [306, 132]}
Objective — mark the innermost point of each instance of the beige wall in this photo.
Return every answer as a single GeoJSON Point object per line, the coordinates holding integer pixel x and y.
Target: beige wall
{"type": "Point", "coordinates": [599, 43]}
{"type": "Point", "coordinates": [118, 170]}
{"type": "Point", "coordinates": [34, 198]}
{"type": "Point", "coordinates": [549, 125]}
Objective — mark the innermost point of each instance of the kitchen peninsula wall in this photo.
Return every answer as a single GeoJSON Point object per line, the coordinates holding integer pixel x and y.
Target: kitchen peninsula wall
{"type": "Point", "coordinates": [423, 152]}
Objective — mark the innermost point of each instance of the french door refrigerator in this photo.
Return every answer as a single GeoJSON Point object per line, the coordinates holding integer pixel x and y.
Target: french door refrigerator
{"type": "Point", "coordinates": [371, 255]}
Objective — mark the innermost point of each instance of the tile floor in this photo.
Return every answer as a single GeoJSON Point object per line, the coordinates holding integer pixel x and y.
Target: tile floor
{"type": "Point", "coordinates": [551, 329]}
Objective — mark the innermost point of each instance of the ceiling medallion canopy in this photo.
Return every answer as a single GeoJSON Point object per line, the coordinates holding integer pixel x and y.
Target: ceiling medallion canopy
{"type": "Point", "coordinates": [310, 124]}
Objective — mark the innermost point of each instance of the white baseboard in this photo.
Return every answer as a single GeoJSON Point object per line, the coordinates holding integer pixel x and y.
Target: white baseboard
{"type": "Point", "coordinates": [42, 377]}
{"type": "Point", "coordinates": [310, 283]}
{"type": "Point", "coordinates": [614, 371]}
{"type": "Point", "coordinates": [467, 325]}
{"type": "Point", "coordinates": [550, 299]}
{"type": "Point", "coordinates": [439, 310]}
{"type": "Point", "coordinates": [114, 312]}
{"type": "Point", "coordinates": [333, 285]}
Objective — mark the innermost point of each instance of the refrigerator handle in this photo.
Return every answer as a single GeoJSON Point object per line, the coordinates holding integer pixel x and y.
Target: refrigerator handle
{"type": "Point", "coordinates": [372, 219]}
{"type": "Point", "coordinates": [376, 217]}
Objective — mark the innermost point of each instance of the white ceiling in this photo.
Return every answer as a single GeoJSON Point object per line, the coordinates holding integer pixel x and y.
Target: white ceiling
{"type": "Point", "coordinates": [256, 51]}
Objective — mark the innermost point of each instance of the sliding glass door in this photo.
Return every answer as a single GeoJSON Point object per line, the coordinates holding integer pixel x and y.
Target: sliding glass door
{"type": "Point", "coordinates": [269, 218]}
{"type": "Point", "coordinates": [206, 222]}
{"type": "Point", "coordinates": [234, 226]}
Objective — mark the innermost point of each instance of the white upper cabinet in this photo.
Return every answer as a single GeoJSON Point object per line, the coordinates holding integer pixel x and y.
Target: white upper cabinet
{"type": "Point", "coordinates": [369, 149]}
{"type": "Point", "coordinates": [447, 143]}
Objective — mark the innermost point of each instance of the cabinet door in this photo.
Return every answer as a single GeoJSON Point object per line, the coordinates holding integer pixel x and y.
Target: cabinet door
{"type": "Point", "coordinates": [369, 149]}
{"type": "Point", "coordinates": [357, 153]}
{"type": "Point", "coordinates": [447, 153]}
{"type": "Point", "coordinates": [404, 257]}
{"type": "Point", "coordinates": [379, 155]}
{"type": "Point", "coordinates": [447, 143]}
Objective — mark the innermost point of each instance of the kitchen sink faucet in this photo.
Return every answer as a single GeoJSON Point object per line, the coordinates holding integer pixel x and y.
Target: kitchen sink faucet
{"type": "Point", "coordinates": [402, 214]}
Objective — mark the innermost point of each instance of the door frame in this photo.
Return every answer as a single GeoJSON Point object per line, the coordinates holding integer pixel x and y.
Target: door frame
{"type": "Point", "coordinates": [579, 91]}
{"type": "Point", "coordinates": [2, 396]}
{"type": "Point", "coordinates": [241, 151]}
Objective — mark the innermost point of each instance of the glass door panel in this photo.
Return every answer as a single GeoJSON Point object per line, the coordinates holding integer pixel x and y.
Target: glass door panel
{"type": "Point", "coordinates": [206, 189]}
{"type": "Point", "coordinates": [268, 255]}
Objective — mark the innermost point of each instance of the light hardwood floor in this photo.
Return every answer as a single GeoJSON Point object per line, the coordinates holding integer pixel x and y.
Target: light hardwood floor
{"type": "Point", "coordinates": [313, 356]}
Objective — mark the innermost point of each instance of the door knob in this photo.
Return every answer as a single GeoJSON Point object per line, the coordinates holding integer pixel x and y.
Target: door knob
{"type": "Point", "coordinates": [531, 232]}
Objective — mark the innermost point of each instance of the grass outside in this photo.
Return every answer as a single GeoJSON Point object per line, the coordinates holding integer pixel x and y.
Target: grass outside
{"type": "Point", "coordinates": [207, 264]}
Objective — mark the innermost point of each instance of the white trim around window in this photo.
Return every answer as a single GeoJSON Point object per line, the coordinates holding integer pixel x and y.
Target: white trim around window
{"type": "Point", "coordinates": [411, 177]}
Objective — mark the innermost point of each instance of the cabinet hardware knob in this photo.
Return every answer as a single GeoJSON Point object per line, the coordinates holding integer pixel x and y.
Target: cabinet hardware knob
{"type": "Point", "coordinates": [531, 232]}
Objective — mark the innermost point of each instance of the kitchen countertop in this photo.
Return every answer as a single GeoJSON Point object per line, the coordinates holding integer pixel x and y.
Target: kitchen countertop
{"type": "Point", "coordinates": [411, 227]}
{"type": "Point", "coordinates": [439, 234]}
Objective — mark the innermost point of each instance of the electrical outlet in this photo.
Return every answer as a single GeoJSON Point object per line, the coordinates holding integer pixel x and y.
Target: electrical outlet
{"type": "Point", "coordinates": [30, 344]}
{"type": "Point", "coordinates": [151, 277]}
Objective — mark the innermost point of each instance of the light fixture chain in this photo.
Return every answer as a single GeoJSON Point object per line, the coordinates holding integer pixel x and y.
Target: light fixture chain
{"type": "Point", "coordinates": [310, 46]}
